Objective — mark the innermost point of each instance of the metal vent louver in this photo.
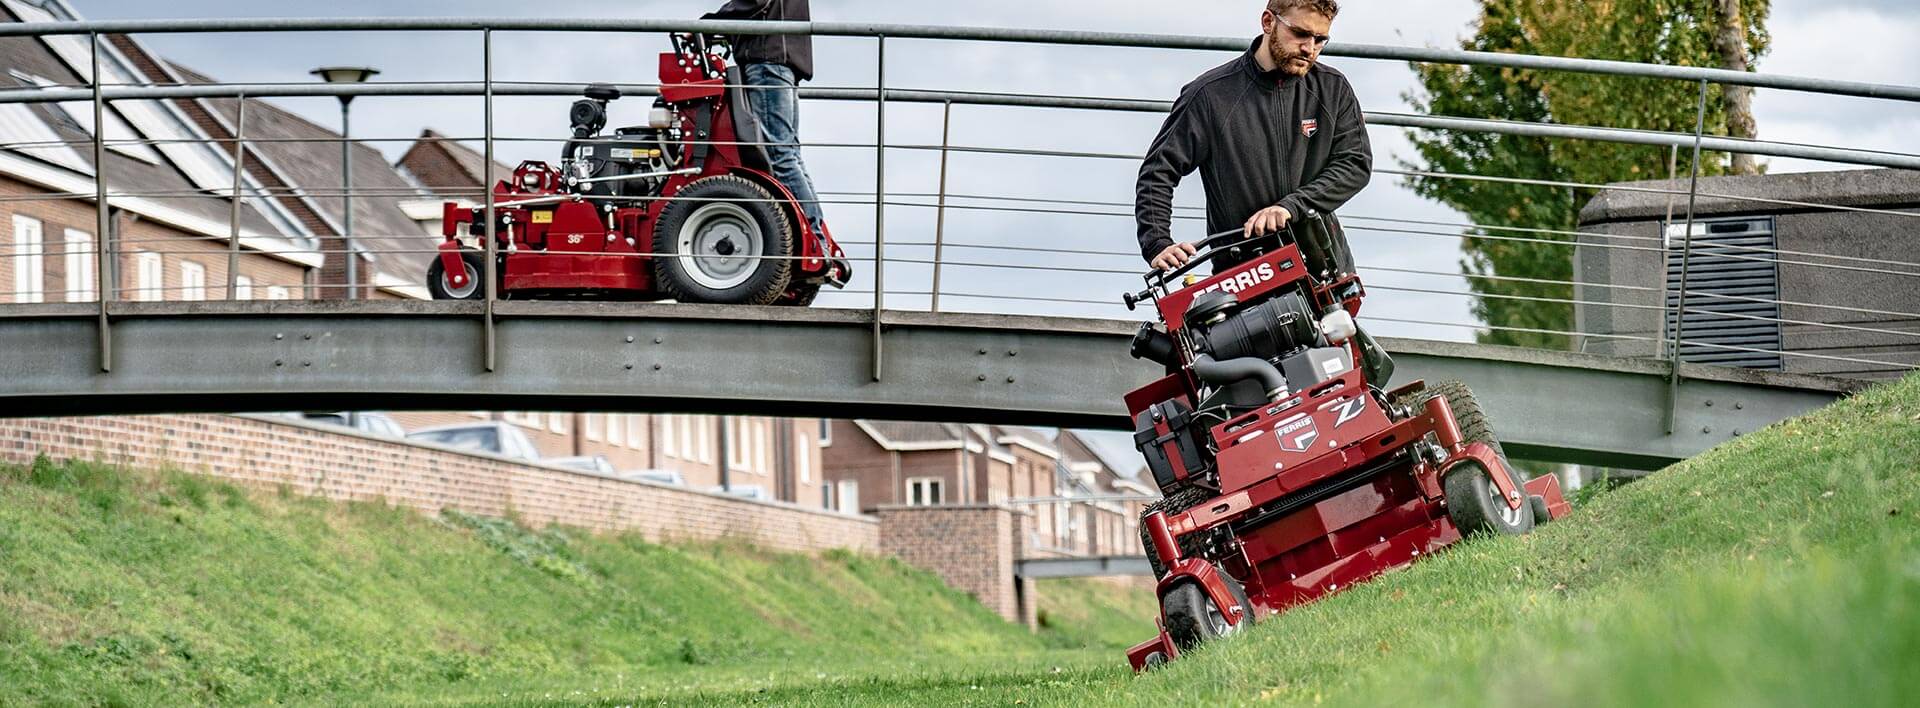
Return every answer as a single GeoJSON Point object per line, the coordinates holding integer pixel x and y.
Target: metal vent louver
{"type": "Point", "coordinates": [1733, 293]}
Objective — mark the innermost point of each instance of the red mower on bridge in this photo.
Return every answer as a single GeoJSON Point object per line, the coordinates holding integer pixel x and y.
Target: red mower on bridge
{"type": "Point", "coordinates": [1287, 472]}
{"type": "Point", "coordinates": [682, 208]}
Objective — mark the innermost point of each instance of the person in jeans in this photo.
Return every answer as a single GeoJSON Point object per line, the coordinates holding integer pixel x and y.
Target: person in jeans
{"type": "Point", "coordinates": [774, 65]}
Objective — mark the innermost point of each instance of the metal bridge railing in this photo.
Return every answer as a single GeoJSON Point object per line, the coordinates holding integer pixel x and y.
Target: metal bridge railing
{"type": "Point", "coordinates": [1101, 270]}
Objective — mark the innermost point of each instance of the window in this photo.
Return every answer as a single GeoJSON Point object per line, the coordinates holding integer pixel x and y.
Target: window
{"type": "Point", "coordinates": [635, 433]}
{"type": "Point", "coordinates": [616, 425]}
{"type": "Point", "coordinates": [703, 438]}
{"type": "Point", "coordinates": [671, 435]}
{"type": "Point", "coordinates": [826, 432]}
{"type": "Point", "coordinates": [592, 426]}
{"type": "Point", "coordinates": [276, 292]}
{"type": "Point", "coordinates": [193, 281]}
{"type": "Point", "coordinates": [242, 288]}
{"type": "Point", "coordinates": [147, 277]}
{"type": "Point", "coordinates": [739, 443]}
{"type": "Point", "coordinates": [802, 456]}
{"type": "Point", "coordinates": [844, 496]}
{"type": "Point", "coordinates": [924, 491]}
{"type": "Point", "coordinates": [530, 419]}
{"type": "Point", "coordinates": [80, 266]}
{"type": "Point", "coordinates": [29, 261]}
{"type": "Point", "coordinates": [557, 422]}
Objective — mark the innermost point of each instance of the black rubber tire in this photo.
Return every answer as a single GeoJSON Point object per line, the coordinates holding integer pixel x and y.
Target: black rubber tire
{"type": "Point", "coordinates": [1185, 610]}
{"type": "Point", "coordinates": [1180, 500]}
{"type": "Point", "coordinates": [1475, 505]}
{"type": "Point", "coordinates": [1466, 412]}
{"type": "Point", "coordinates": [746, 205]}
{"type": "Point", "coordinates": [1155, 660]}
{"type": "Point", "coordinates": [438, 286]}
{"type": "Point", "coordinates": [1540, 513]}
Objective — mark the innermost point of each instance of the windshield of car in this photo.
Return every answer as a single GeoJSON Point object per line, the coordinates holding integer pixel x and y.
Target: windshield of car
{"type": "Point", "coordinates": [482, 439]}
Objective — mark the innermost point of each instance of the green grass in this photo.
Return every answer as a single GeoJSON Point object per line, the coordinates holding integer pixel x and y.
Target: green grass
{"type": "Point", "coordinates": [126, 588]}
{"type": "Point", "coordinates": [1780, 569]}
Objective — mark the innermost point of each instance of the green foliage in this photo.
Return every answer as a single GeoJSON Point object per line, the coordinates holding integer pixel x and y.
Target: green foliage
{"type": "Point", "coordinates": [1671, 32]}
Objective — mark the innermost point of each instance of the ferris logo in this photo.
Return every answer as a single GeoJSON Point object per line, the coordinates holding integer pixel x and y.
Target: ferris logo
{"type": "Point", "coordinates": [1309, 126]}
{"type": "Point", "coordinates": [1298, 435]}
{"type": "Point", "coordinates": [1261, 274]}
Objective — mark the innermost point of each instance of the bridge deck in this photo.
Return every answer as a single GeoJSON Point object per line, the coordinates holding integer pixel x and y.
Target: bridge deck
{"type": "Point", "coordinates": [268, 356]}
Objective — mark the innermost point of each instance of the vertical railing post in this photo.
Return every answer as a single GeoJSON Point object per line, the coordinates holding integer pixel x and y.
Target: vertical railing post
{"type": "Point", "coordinates": [1666, 247]}
{"type": "Point", "coordinates": [489, 278]}
{"type": "Point", "coordinates": [1686, 262]}
{"type": "Point", "coordinates": [103, 252]}
{"type": "Point", "coordinates": [940, 212]}
{"type": "Point", "coordinates": [233, 210]}
{"type": "Point", "coordinates": [879, 200]}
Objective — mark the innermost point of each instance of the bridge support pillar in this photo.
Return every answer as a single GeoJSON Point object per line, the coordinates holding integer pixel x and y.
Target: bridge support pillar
{"type": "Point", "coordinates": [971, 547]}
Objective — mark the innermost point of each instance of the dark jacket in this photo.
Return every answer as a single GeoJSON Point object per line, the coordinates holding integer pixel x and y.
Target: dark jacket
{"type": "Point", "coordinates": [1259, 139]}
{"type": "Point", "coordinates": [795, 51]}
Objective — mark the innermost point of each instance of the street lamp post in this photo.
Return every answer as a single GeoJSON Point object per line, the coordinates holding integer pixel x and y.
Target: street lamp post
{"type": "Point", "coordinates": [347, 75]}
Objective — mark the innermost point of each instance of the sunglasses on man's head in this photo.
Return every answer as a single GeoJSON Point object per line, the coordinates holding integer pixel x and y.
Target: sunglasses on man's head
{"type": "Point", "coordinates": [1318, 39]}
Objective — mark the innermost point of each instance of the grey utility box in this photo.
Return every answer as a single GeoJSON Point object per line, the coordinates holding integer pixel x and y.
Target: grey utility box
{"type": "Point", "coordinates": [1786, 280]}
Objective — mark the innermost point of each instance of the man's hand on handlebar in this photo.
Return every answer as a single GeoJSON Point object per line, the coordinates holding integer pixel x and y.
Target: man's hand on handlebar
{"type": "Point", "coordinates": [1174, 256]}
{"type": "Point", "coordinates": [1267, 221]}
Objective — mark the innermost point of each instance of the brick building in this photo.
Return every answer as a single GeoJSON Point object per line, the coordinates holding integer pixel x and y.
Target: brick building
{"type": "Point", "coordinates": [873, 465]}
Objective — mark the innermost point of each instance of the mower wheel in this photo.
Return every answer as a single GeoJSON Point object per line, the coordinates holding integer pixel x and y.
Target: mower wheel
{"type": "Point", "coordinates": [1466, 411]}
{"type": "Point", "coordinates": [1192, 618]}
{"type": "Point", "coordinates": [1156, 660]}
{"type": "Point", "coordinates": [1540, 513]}
{"type": "Point", "coordinates": [1178, 501]}
{"type": "Point", "coordinates": [723, 240]}
{"type": "Point", "coordinates": [1475, 504]}
{"type": "Point", "coordinates": [440, 284]}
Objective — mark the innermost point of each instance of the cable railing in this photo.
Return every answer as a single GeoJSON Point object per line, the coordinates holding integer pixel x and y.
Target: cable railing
{"type": "Point", "coordinates": [1678, 305]}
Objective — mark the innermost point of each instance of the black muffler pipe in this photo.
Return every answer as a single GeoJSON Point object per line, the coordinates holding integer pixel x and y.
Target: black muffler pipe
{"type": "Point", "coordinates": [1232, 371]}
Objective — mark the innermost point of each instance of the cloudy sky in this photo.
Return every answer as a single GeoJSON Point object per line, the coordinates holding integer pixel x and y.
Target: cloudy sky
{"type": "Point", "coordinates": [1868, 40]}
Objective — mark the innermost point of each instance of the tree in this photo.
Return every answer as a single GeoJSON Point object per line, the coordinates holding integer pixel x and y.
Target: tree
{"type": "Point", "coordinates": [1503, 264]}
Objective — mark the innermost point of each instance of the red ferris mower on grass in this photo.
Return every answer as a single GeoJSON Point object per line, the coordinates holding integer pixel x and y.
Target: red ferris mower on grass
{"type": "Point", "coordinates": [682, 208]}
{"type": "Point", "coordinates": [1287, 472]}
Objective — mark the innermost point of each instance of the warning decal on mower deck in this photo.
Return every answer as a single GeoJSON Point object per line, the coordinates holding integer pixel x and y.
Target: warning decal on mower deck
{"type": "Point", "coordinates": [543, 217]}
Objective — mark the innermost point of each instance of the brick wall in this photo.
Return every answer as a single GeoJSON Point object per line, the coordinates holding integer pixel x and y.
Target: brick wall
{"type": "Point", "coordinates": [971, 547]}
{"type": "Point", "coordinates": [338, 464]}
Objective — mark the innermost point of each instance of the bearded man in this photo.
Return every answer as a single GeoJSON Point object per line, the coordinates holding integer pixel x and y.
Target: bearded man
{"type": "Point", "coordinates": [1273, 133]}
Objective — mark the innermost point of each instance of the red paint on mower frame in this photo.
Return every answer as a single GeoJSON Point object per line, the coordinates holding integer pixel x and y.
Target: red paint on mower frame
{"type": "Point", "coordinates": [1321, 489]}
{"type": "Point", "coordinates": [553, 243]}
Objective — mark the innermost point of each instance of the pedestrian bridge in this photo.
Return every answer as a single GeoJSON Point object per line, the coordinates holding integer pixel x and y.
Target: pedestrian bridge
{"type": "Point", "coordinates": [282, 355]}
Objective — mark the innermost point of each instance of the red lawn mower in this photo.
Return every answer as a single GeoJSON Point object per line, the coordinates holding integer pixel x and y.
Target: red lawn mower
{"type": "Point", "coordinates": [682, 208]}
{"type": "Point", "coordinates": [1287, 473]}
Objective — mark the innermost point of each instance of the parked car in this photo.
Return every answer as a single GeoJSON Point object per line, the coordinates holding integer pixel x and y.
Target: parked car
{"type": "Point", "coordinates": [504, 439]}
{"type": "Point", "coordinates": [590, 463]}
{"type": "Point", "coordinates": [370, 423]}
{"type": "Point", "coordinates": [744, 491]}
{"type": "Point", "coordinates": [661, 476]}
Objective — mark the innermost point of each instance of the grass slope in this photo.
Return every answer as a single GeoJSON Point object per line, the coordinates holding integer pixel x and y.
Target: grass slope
{"type": "Point", "coordinates": [1780, 569]}
{"type": "Point", "coordinates": [120, 588]}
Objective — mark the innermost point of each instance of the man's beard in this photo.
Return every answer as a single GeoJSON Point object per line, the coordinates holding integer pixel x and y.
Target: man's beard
{"type": "Point", "coordinates": [1283, 57]}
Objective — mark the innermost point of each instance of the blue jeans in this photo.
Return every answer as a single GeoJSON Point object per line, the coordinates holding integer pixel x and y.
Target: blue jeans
{"type": "Point", "coordinates": [776, 104]}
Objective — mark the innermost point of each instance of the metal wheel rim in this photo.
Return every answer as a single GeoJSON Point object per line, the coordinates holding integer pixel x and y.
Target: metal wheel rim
{"type": "Point", "coordinates": [1217, 620]}
{"type": "Point", "coordinates": [460, 292]}
{"type": "Point", "coordinates": [1508, 515]}
{"type": "Point", "coordinates": [700, 240]}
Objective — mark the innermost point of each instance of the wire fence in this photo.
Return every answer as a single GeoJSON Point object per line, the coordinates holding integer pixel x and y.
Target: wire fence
{"type": "Point", "coordinates": [271, 221]}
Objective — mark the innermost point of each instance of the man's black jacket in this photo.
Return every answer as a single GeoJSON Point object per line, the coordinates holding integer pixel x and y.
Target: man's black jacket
{"type": "Point", "coordinates": [1259, 139]}
{"type": "Point", "coordinates": [795, 51]}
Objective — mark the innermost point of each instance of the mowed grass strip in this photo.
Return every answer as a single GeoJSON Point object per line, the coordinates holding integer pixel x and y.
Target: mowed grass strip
{"type": "Point", "coordinates": [167, 588]}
